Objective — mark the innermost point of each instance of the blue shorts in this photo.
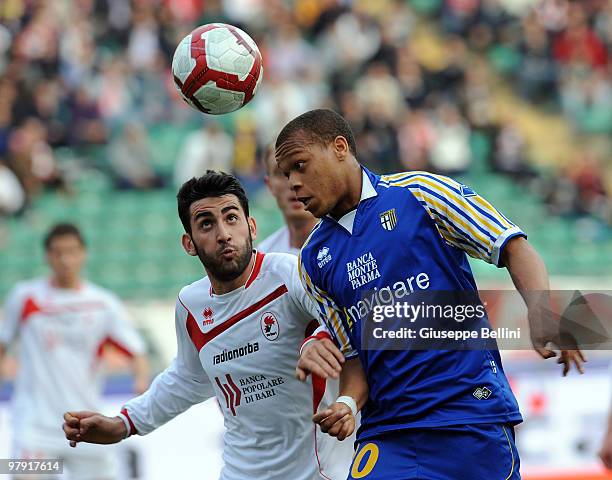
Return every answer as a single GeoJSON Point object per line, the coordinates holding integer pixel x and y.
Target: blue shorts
{"type": "Point", "coordinates": [463, 452]}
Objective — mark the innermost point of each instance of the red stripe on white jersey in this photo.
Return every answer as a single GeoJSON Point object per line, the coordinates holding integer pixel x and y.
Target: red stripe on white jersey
{"type": "Point", "coordinates": [132, 426]}
{"type": "Point", "coordinates": [258, 261]}
{"type": "Point", "coordinates": [318, 390]}
{"type": "Point", "coordinates": [30, 307]}
{"type": "Point", "coordinates": [310, 328]}
{"type": "Point", "coordinates": [114, 343]}
{"type": "Point", "coordinates": [200, 338]}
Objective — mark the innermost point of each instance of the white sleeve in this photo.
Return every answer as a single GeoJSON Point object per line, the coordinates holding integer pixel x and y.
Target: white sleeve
{"type": "Point", "coordinates": [320, 333]}
{"type": "Point", "coordinates": [11, 317]}
{"type": "Point", "coordinates": [183, 384]}
{"type": "Point", "coordinates": [122, 331]}
{"type": "Point", "coordinates": [300, 296]}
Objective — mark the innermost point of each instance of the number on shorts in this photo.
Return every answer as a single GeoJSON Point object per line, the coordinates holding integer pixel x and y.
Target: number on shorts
{"type": "Point", "coordinates": [371, 450]}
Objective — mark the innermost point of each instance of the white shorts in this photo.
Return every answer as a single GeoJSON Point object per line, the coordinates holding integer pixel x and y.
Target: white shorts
{"type": "Point", "coordinates": [85, 462]}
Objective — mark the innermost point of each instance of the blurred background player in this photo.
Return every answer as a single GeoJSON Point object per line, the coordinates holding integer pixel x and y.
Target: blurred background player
{"type": "Point", "coordinates": [298, 223]}
{"type": "Point", "coordinates": [335, 456]}
{"type": "Point", "coordinates": [239, 330]}
{"type": "Point", "coordinates": [63, 323]}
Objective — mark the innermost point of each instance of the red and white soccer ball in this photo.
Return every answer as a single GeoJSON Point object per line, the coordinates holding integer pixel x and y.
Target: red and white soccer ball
{"type": "Point", "coordinates": [217, 68]}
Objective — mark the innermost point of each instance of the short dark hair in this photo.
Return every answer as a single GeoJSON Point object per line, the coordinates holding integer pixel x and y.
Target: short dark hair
{"type": "Point", "coordinates": [211, 184]}
{"type": "Point", "coordinates": [60, 230]}
{"type": "Point", "coordinates": [322, 125]}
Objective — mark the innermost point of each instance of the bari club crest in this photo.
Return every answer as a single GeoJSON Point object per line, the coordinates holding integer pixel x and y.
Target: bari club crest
{"type": "Point", "coordinates": [269, 326]}
{"type": "Point", "coordinates": [388, 219]}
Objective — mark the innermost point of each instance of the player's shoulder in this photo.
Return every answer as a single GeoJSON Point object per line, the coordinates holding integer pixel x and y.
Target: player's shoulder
{"type": "Point", "coordinates": [318, 243]}
{"type": "Point", "coordinates": [269, 243]}
{"type": "Point", "coordinates": [281, 263]}
{"type": "Point", "coordinates": [99, 293]}
{"type": "Point", "coordinates": [195, 290]}
{"type": "Point", "coordinates": [28, 287]}
{"type": "Point", "coordinates": [418, 179]}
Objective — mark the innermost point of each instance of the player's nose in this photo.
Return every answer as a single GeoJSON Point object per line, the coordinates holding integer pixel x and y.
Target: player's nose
{"type": "Point", "coordinates": [295, 183]}
{"type": "Point", "coordinates": [223, 234]}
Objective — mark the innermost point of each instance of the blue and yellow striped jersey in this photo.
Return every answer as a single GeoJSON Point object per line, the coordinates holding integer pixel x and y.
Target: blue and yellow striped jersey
{"type": "Point", "coordinates": [410, 233]}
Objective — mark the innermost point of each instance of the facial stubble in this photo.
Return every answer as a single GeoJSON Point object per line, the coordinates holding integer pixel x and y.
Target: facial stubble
{"type": "Point", "coordinates": [223, 270]}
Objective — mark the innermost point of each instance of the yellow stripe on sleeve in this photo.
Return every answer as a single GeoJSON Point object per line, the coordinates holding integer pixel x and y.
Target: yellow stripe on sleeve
{"type": "Point", "coordinates": [327, 305]}
{"type": "Point", "coordinates": [466, 221]}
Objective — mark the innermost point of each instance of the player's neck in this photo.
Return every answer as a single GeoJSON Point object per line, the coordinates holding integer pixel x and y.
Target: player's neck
{"type": "Point", "coordinates": [299, 231]}
{"type": "Point", "coordinates": [352, 192]}
{"type": "Point", "coordinates": [66, 283]}
{"type": "Point", "coordinates": [220, 287]}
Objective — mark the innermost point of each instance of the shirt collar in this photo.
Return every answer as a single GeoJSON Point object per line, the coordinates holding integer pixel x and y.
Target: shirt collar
{"type": "Point", "coordinates": [367, 191]}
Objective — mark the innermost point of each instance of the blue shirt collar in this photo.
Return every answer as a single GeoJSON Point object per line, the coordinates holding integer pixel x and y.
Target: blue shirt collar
{"type": "Point", "coordinates": [368, 190]}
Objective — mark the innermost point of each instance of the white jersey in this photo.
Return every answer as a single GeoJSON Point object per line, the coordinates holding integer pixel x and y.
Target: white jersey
{"type": "Point", "coordinates": [62, 333]}
{"type": "Point", "coordinates": [278, 242]}
{"type": "Point", "coordinates": [335, 456]}
{"type": "Point", "coordinates": [243, 347]}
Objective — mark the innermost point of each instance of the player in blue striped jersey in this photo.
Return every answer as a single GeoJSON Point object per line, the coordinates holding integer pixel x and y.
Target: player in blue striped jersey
{"type": "Point", "coordinates": [431, 414]}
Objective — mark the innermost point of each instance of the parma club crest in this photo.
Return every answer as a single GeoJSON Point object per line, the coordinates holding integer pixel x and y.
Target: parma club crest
{"type": "Point", "coordinates": [388, 219]}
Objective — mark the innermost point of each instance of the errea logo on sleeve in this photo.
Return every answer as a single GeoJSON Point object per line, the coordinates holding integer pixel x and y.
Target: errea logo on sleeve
{"type": "Point", "coordinates": [323, 257]}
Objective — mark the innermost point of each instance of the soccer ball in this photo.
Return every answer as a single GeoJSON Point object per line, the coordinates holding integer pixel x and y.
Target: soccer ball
{"type": "Point", "coordinates": [217, 68]}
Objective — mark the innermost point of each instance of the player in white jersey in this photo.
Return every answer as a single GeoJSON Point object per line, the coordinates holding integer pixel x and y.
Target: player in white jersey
{"type": "Point", "coordinates": [63, 323]}
{"type": "Point", "coordinates": [335, 456]}
{"type": "Point", "coordinates": [239, 331]}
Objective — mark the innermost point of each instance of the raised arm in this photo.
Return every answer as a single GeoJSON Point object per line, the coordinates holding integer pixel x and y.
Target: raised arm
{"type": "Point", "coordinates": [530, 278]}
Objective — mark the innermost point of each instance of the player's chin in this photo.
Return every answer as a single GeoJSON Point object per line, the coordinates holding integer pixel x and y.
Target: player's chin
{"type": "Point", "coordinates": [315, 208]}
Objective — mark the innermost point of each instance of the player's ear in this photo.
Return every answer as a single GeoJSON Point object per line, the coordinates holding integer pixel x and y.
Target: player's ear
{"type": "Point", "coordinates": [267, 182]}
{"type": "Point", "coordinates": [252, 227]}
{"type": "Point", "coordinates": [341, 148]}
{"type": "Point", "coordinates": [188, 245]}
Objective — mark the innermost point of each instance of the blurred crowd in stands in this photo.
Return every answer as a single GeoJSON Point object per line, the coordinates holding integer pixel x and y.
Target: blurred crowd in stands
{"type": "Point", "coordinates": [94, 75]}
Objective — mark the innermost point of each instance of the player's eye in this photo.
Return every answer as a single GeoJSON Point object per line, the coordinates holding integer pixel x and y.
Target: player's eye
{"type": "Point", "coordinates": [299, 165]}
{"type": "Point", "coordinates": [232, 217]}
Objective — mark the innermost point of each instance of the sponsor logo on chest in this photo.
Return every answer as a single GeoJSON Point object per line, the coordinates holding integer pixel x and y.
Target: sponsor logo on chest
{"type": "Point", "coordinates": [246, 390]}
{"type": "Point", "coordinates": [362, 270]}
{"type": "Point", "coordinates": [234, 353]}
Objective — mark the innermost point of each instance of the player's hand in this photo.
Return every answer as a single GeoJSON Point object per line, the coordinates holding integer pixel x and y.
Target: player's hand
{"type": "Point", "coordinates": [606, 451]}
{"type": "Point", "coordinates": [568, 357]}
{"type": "Point", "coordinates": [320, 357]}
{"type": "Point", "coordinates": [92, 427]}
{"type": "Point", "coordinates": [545, 331]}
{"type": "Point", "coordinates": [337, 420]}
